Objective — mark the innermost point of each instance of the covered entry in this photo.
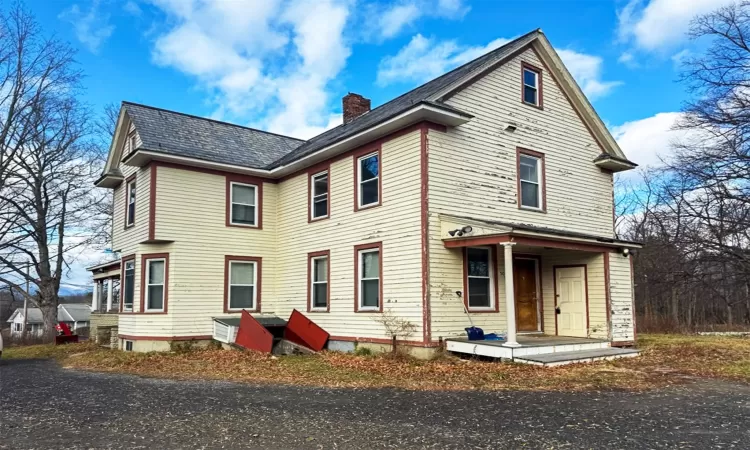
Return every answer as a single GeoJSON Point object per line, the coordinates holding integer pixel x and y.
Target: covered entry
{"type": "Point", "coordinates": [526, 281]}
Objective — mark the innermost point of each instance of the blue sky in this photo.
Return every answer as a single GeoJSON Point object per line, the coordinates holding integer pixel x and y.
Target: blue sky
{"type": "Point", "coordinates": [284, 65]}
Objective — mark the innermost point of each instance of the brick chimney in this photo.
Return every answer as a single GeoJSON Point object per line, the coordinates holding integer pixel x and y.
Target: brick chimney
{"type": "Point", "coordinates": [354, 106]}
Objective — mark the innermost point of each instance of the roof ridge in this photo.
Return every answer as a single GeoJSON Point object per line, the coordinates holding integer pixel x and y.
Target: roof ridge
{"type": "Point", "coordinates": [211, 120]}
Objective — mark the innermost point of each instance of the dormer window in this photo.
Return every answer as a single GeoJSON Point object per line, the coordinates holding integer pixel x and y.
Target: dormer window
{"type": "Point", "coordinates": [531, 85]}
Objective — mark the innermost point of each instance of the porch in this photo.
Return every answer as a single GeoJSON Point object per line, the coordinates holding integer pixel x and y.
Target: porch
{"type": "Point", "coordinates": [541, 349]}
{"type": "Point", "coordinates": [105, 303]}
{"type": "Point", "coordinates": [548, 292]}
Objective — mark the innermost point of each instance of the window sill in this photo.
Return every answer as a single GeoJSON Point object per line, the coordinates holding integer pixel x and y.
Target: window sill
{"type": "Point", "coordinates": [539, 107]}
{"type": "Point", "coordinates": [370, 206]}
{"type": "Point", "coordinates": [483, 310]}
{"type": "Point", "coordinates": [368, 310]}
{"type": "Point", "coordinates": [529, 208]}
{"type": "Point", "coordinates": [318, 219]}
{"type": "Point", "coordinates": [240, 225]}
{"type": "Point", "coordinates": [127, 227]}
{"type": "Point", "coordinates": [237, 311]}
{"type": "Point", "coordinates": [318, 310]}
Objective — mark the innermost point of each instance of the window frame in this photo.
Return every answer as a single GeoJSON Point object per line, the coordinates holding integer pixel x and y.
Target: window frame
{"type": "Point", "coordinates": [358, 251]}
{"type": "Point", "coordinates": [131, 142]}
{"type": "Point", "coordinates": [17, 327]}
{"type": "Point", "coordinates": [311, 194]}
{"type": "Point", "coordinates": [144, 274]}
{"type": "Point", "coordinates": [257, 183]}
{"type": "Point", "coordinates": [130, 183]}
{"type": "Point", "coordinates": [311, 258]}
{"type": "Point", "coordinates": [258, 267]}
{"type": "Point", "coordinates": [359, 156]}
{"type": "Point", "coordinates": [542, 179]}
{"type": "Point", "coordinates": [539, 85]}
{"type": "Point", "coordinates": [123, 264]}
{"type": "Point", "coordinates": [494, 304]}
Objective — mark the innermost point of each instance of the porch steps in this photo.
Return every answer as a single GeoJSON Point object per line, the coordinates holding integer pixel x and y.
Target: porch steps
{"type": "Point", "coordinates": [582, 356]}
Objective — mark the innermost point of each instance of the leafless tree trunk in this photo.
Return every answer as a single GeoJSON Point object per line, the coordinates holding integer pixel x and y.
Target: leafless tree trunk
{"type": "Point", "coordinates": [46, 197]}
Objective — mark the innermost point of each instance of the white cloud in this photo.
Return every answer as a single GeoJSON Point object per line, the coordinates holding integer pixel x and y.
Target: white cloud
{"type": "Point", "coordinates": [587, 71]}
{"type": "Point", "coordinates": [268, 62]}
{"type": "Point", "coordinates": [658, 24]}
{"type": "Point", "coordinates": [132, 8]}
{"type": "Point", "coordinates": [423, 59]}
{"type": "Point", "coordinates": [91, 27]}
{"type": "Point", "coordinates": [396, 17]}
{"type": "Point", "coordinates": [647, 141]}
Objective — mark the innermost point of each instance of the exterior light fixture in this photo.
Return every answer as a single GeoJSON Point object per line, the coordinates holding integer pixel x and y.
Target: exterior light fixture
{"type": "Point", "coordinates": [460, 231]}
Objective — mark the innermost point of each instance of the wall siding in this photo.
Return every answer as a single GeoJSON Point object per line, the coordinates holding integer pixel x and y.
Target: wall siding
{"type": "Point", "coordinates": [190, 210]}
{"type": "Point", "coordinates": [472, 168]}
{"type": "Point", "coordinates": [472, 173]}
{"type": "Point", "coordinates": [396, 223]}
{"type": "Point", "coordinates": [621, 288]}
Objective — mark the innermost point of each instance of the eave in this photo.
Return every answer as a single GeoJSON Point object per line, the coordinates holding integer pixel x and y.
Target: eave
{"type": "Point", "coordinates": [426, 111]}
{"type": "Point", "coordinates": [613, 163]}
{"type": "Point", "coordinates": [109, 180]}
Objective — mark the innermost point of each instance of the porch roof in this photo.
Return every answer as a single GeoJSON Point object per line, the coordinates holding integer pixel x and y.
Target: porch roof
{"type": "Point", "coordinates": [105, 269]}
{"type": "Point", "coordinates": [488, 232]}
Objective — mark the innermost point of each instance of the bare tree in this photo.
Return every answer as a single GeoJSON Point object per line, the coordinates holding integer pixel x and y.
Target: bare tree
{"type": "Point", "coordinates": [694, 213]}
{"type": "Point", "coordinates": [46, 196]}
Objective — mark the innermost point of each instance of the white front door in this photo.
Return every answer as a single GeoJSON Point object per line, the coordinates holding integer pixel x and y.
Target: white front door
{"type": "Point", "coordinates": [571, 300]}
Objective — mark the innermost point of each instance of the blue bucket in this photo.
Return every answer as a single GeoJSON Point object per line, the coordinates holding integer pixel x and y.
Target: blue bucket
{"type": "Point", "coordinates": [475, 333]}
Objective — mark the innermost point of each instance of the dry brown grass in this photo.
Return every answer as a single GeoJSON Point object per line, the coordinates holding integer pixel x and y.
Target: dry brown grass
{"type": "Point", "coordinates": [666, 359]}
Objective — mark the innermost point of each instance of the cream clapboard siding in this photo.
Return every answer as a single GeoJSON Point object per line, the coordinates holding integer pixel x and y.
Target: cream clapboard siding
{"type": "Point", "coordinates": [472, 168]}
{"type": "Point", "coordinates": [597, 292]}
{"type": "Point", "coordinates": [621, 288]}
{"type": "Point", "coordinates": [446, 276]}
{"type": "Point", "coordinates": [396, 223]}
{"type": "Point", "coordinates": [124, 240]}
{"type": "Point", "coordinates": [190, 210]}
{"type": "Point", "coordinates": [472, 173]}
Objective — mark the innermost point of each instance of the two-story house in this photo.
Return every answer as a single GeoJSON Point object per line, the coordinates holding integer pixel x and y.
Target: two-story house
{"type": "Point", "coordinates": [486, 193]}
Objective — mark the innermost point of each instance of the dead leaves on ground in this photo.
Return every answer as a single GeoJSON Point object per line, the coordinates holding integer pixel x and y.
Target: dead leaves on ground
{"type": "Point", "coordinates": [665, 360]}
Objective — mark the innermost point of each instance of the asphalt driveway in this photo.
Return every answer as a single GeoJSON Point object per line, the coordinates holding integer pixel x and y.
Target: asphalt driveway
{"type": "Point", "coordinates": [44, 406]}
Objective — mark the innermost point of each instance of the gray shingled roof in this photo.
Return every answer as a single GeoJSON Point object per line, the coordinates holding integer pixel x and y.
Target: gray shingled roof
{"type": "Point", "coordinates": [421, 94]}
{"type": "Point", "coordinates": [185, 135]}
{"type": "Point", "coordinates": [180, 134]}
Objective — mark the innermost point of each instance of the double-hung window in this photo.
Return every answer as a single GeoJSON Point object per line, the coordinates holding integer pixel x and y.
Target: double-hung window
{"type": "Point", "coordinates": [128, 286]}
{"type": "Point", "coordinates": [319, 196]}
{"type": "Point", "coordinates": [155, 284]}
{"type": "Point", "coordinates": [242, 288]}
{"type": "Point", "coordinates": [319, 282]}
{"type": "Point", "coordinates": [531, 86]}
{"type": "Point", "coordinates": [479, 278]}
{"type": "Point", "coordinates": [243, 201]}
{"type": "Point", "coordinates": [368, 180]}
{"type": "Point", "coordinates": [531, 180]}
{"type": "Point", "coordinates": [130, 211]}
{"type": "Point", "coordinates": [17, 327]}
{"type": "Point", "coordinates": [369, 281]}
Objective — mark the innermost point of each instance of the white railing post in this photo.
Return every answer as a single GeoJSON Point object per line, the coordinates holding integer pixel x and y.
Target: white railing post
{"type": "Point", "coordinates": [95, 297]}
{"type": "Point", "coordinates": [109, 294]}
{"type": "Point", "coordinates": [510, 300]}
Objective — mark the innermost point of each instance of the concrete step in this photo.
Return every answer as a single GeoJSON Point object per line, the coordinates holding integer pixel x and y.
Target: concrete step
{"type": "Point", "coordinates": [562, 358]}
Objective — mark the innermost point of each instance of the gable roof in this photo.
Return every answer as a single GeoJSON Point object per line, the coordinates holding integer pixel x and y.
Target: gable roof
{"type": "Point", "coordinates": [35, 315]}
{"type": "Point", "coordinates": [183, 135]}
{"type": "Point", "coordinates": [73, 312]}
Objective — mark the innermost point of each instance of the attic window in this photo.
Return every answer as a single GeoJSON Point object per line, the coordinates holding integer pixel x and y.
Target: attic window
{"type": "Point", "coordinates": [531, 85]}
{"type": "Point", "coordinates": [131, 140]}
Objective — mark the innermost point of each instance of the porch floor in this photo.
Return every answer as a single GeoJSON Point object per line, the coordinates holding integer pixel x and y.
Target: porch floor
{"type": "Point", "coordinates": [566, 349]}
{"type": "Point", "coordinates": [536, 340]}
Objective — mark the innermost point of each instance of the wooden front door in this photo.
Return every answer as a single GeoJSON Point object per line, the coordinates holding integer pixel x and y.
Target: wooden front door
{"type": "Point", "coordinates": [570, 290]}
{"type": "Point", "coordinates": [525, 284]}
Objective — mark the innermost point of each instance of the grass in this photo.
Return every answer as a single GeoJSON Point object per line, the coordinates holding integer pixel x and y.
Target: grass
{"type": "Point", "coordinates": [666, 359]}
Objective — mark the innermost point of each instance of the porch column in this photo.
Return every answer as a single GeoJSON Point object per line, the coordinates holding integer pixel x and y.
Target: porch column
{"type": "Point", "coordinates": [109, 294]}
{"type": "Point", "coordinates": [510, 300]}
{"type": "Point", "coordinates": [95, 297]}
